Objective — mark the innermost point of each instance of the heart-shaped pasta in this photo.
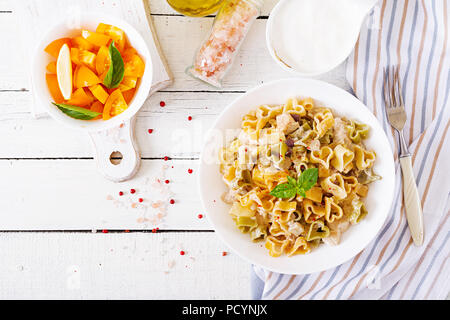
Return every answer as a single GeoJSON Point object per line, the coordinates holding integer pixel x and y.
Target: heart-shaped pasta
{"type": "Point", "coordinates": [333, 211]}
{"type": "Point", "coordinates": [335, 185]}
{"type": "Point", "coordinates": [342, 159]}
{"type": "Point", "coordinates": [300, 246]}
{"type": "Point", "coordinates": [322, 156]}
{"type": "Point", "coordinates": [364, 159]}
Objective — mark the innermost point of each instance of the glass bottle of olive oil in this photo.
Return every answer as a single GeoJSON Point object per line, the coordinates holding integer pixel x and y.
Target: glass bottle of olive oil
{"type": "Point", "coordinates": [195, 8]}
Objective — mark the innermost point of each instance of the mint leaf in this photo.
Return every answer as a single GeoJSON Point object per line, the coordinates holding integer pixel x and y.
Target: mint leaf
{"type": "Point", "coordinates": [308, 178]}
{"type": "Point", "coordinates": [284, 191]}
{"type": "Point", "coordinates": [116, 69]}
{"type": "Point", "coordinates": [77, 112]}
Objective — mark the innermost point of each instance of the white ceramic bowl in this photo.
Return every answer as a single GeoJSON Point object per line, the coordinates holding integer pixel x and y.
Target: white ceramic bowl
{"type": "Point", "coordinates": [359, 9]}
{"type": "Point", "coordinates": [90, 22]}
{"type": "Point", "coordinates": [378, 201]}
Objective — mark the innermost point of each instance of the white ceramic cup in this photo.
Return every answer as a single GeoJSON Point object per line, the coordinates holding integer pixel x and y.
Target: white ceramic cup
{"type": "Point", "coordinates": [71, 26]}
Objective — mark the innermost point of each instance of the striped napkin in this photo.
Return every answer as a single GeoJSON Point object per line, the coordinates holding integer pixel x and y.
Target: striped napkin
{"type": "Point", "coordinates": [413, 34]}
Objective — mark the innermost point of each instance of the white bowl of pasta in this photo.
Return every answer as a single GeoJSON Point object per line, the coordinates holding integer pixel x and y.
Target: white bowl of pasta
{"type": "Point", "coordinates": [297, 176]}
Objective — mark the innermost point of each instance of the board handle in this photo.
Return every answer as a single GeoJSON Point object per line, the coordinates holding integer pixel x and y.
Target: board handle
{"type": "Point", "coordinates": [116, 151]}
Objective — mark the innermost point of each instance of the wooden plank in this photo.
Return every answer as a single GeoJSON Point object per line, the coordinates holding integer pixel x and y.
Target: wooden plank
{"type": "Point", "coordinates": [174, 135]}
{"type": "Point", "coordinates": [72, 195]}
{"type": "Point", "coordinates": [180, 38]}
{"type": "Point", "coordinates": [119, 266]}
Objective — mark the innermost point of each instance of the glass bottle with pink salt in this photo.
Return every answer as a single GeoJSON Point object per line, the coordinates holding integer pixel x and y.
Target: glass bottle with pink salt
{"type": "Point", "coordinates": [218, 51]}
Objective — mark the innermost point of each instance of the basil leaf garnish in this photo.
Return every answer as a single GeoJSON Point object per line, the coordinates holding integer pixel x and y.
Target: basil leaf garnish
{"type": "Point", "coordinates": [284, 191]}
{"type": "Point", "coordinates": [116, 69]}
{"type": "Point", "coordinates": [305, 181]}
{"type": "Point", "coordinates": [308, 178]}
{"type": "Point", "coordinates": [77, 112]}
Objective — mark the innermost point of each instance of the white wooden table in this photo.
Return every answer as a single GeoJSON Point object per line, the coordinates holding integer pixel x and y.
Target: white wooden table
{"type": "Point", "coordinates": [46, 167]}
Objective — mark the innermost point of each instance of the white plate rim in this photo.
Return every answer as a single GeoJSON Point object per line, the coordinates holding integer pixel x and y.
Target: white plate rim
{"type": "Point", "coordinates": [336, 260]}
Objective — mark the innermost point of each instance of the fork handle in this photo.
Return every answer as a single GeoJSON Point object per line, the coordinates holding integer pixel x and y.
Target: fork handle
{"type": "Point", "coordinates": [412, 201]}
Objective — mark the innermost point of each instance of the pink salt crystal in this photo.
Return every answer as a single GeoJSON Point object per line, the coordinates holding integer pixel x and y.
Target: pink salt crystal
{"type": "Point", "coordinates": [134, 205]}
{"type": "Point", "coordinates": [142, 220]}
{"type": "Point", "coordinates": [157, 204]}
{"type": "Point", "coordinates": [109, 197]}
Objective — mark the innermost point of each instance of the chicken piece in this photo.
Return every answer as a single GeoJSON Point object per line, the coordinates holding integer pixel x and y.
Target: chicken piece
{"type": "Point", "coordinates": [337, 228]}
{"type": "Point", "coordinates": [340, 133]}
{"type": "Point", "coordinates": [286, 124]}
{"type": "Point", "coordinates": [295, 228]}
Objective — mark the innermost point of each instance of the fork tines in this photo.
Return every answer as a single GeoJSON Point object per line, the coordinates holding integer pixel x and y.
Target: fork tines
{"type": "Point", "coordinates": [392, 88]}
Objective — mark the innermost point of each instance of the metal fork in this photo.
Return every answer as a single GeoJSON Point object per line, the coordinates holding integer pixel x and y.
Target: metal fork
{"type": "Point", "coordinates": [397, 117]}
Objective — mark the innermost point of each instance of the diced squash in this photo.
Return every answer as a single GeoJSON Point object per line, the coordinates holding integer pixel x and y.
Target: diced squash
{"type": "Point", "coordinates": [115, 105]}
{"type": "Point", "coordinates": [84, 77]}
{"type": "Point", "coordinates": [75, 55]}
{"type": "Point", "coordinates": [128, 54]}
{"type": "Point", "coordinates": [124, 88]}
{"type": "Point", "coordinates": [99, 93]}
{"type": "Point", "coordinates": [117, 34]}
{"type": "Point", "coordinates": [89, 93]}
{"type": "Point", "coordinates": [128, 95]}
{"type": "Point", "coordinates": [54, 47]}
{"type": "Point", "coordinates": [51, 67]}
{"type": "Point", "coordinates": [81, 56]}
{"type": "Point", "coordinates": [129, 82]}
{"type": "Point", "coordinates": [80, 98]}
{"type": "Point", "coordinates": [103, 60]}
{"type": "Point", "coordinates": [97, 39]}
{"type": "Point", "coordinates": [103, 75]}
{"type": "Point", "coordinates": [135, 67]}
{"type": "Point", "coordinates": [97, 106]}
{"type": "Point", "coordinates": [53, 87]}
{"type": "Point", "coordinates": [82, 43]}
{"type": "Point", "coordinates": [87, 58]}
